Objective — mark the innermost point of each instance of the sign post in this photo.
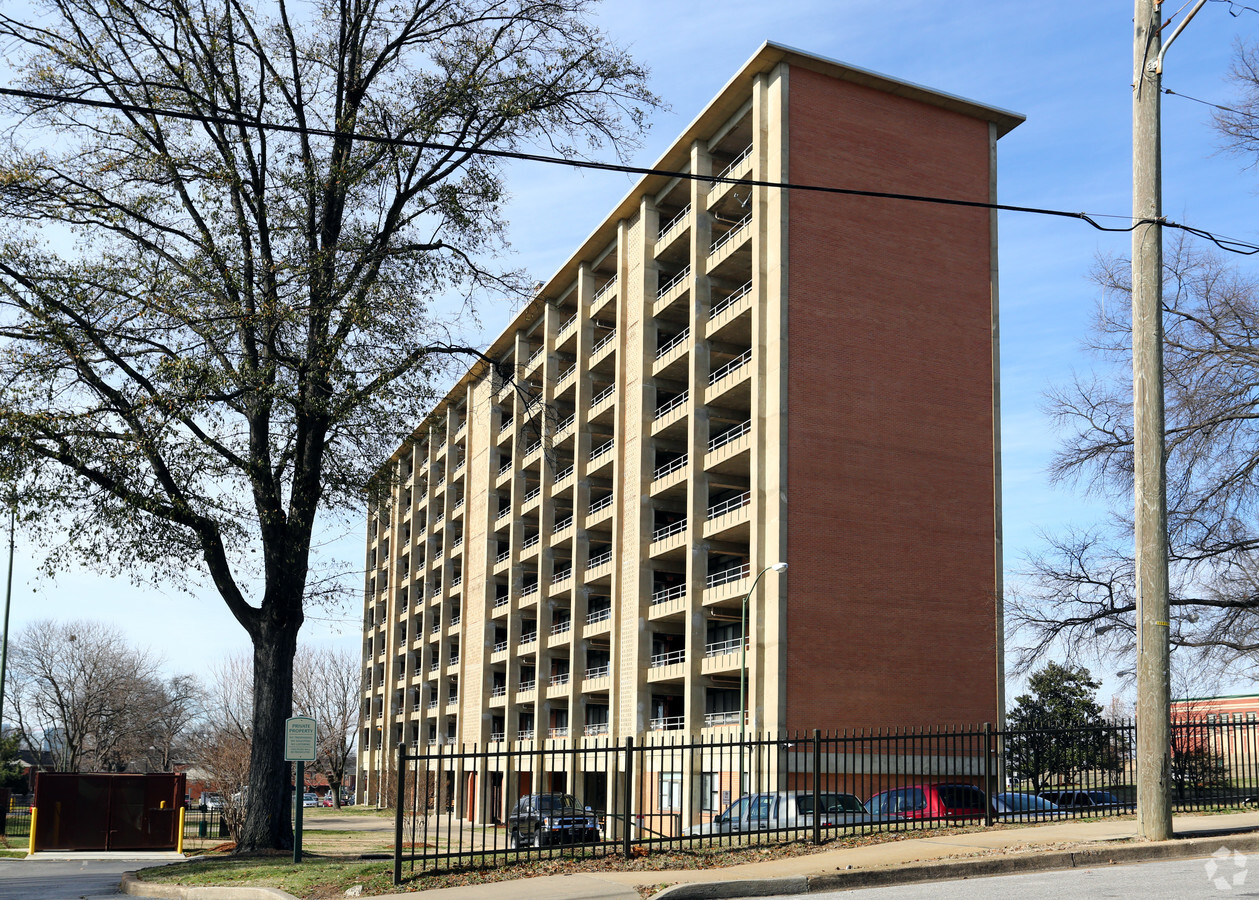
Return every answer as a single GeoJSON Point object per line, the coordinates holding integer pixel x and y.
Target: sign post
{"type": "Point", "coordinates": [299, 747]}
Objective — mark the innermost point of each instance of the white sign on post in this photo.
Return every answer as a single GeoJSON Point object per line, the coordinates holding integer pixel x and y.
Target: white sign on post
{"type": "Point", "coordinates": [299, 739]}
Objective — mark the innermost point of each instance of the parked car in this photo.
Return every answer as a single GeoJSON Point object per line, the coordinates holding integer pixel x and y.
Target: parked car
{"type": "Point", "coordinates": [785, 810]}
{"type": "Point", "coordinates": [325, 800]}
{"type": "Point", "coordinates": [211, 800]}
{"type": "Point", "coordinates": [1082, 800]}
{"type": "Point", "coordinates": [541, 819]}
{"type": "Point", "coordinates": [1015, 806]}
{"type": "Point", "coordinates": [930, 801]}
{"type": "Point", "coordinates": [310, 799]}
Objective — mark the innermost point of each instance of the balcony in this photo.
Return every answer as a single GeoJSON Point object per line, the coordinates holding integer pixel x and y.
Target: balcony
{"type": "Point", "coordinates": [599, 559]}
{"type": "Point", "coordinates": [527, 639]}
{"type": "Point", "coordinates": [732, 717]}
{"type": "Point", "coordinates": [558, 679]}
{"type": "Point", "coordinates": [596, 616]}
{"type": "Point", "coordinates": [559, 731]}
{"type": "Point", "coordinates": [606, 292]}
{"type": "Point", "coordinates": [729, 435]}
{"type": "Point", "coordinates": [730, 238]}
{"type": "Point", "coordinates": [721, 648]}
{"type": "Point", "coordinates": [668, 531]}
{"type": "Point", "coordinates": [500, 647]}
{"type": "Point", "coordinates": [730, 368]}
{"type": "Point", "coordinates": [668, 723]}
{"type": "Point", "coordinates": [728, 177]}
{"type": "Point", "coordinates": [677, 402]}
{"type": "Point", "coordinates": [561, 627]}
{"type": "Point", "coordinates": [596, 728]}
{"type": "Point", "coordinates": [730, 505]}
{"type": "Point", "coordinates": [525, 686]}
{"type": "Point", "coordinates": [677, 222]}
{"type": "Point", "coordinates": [503, 557]}
{"type": "Point", "coordinates": [602, 671]}
{"type": "Point", "coordinates": [498, 690]}
{"type": "Point", "coordinates": [602, 343]}
{"type": "Point", "coordinates": [673, 343]}
{"type": "Point", "coordinates": [530, 543]}
{"type": "Point", "coordinates": [563, 475]}
{"type": "Point", "coordinates": [567, 325]}
{"type": "Point", "coordinates": [532, 495]}
{"type": "Point", "coordinates": [676, 283]}
{"type": "Point", "coordinates": [603, 395]}
{"type": "Point", "coordinates": [672, 658]}
{"type": "Point", "coordinates": [729, 301]}
{"type": "Point", "coordinates": [600, 505]}
{"type": "Point", "coordinates": [561, 524]}
{"type": "Point", "coordinates": [726, 576]}
{"type": "Point", "coordinates": [668, 595]}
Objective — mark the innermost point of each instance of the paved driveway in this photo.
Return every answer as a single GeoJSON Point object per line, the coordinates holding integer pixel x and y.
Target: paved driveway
{"type": "Point", "coordinates": [64, 879]}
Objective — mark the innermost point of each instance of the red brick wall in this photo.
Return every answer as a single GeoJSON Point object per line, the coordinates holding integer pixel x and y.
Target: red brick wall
{"type": "Point", "coordinates": [890, 616]}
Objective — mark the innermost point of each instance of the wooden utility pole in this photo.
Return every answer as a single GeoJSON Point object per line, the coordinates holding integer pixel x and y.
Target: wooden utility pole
{"type": "Point", "coordinates": [1154, 815]}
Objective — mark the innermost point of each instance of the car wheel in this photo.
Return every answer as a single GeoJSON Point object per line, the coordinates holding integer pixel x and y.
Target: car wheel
{"type": "Point", "coordinates": [515, 842]}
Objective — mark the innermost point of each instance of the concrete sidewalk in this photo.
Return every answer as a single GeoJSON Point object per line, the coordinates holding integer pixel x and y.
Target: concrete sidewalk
{"type": "Point", "coordinates": [1013, 849]}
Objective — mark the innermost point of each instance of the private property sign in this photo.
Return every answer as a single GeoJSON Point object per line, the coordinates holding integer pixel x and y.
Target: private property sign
{"type": "Point", "coordinates": [299, 739]}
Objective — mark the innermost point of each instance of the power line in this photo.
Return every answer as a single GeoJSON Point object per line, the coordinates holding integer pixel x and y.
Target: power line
{"type": "Point", "coordinates": [1244, 248]}
{"type": "Point", "coordinates": [1233, 7]}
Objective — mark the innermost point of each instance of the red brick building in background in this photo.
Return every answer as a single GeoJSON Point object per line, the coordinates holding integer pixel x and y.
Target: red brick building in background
{"type": "Point", "coordinates": [725, 375]}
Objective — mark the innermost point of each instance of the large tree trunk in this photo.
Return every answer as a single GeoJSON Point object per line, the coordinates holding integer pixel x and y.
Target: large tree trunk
{"type": "Point", "coordinates": [268, 822]}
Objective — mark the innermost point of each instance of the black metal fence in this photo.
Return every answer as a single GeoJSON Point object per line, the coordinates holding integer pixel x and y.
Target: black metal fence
{"type": "Point", "coordinates": [461, 805]}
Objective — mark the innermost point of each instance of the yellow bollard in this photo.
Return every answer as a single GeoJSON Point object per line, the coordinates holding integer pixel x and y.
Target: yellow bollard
{"type": "Point", "coordinates": [179, 843]}
{"type": "Point", "coordinates": [31, 848]}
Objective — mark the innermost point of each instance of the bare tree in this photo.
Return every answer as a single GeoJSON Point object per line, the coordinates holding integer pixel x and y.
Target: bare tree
{"type": "Point", "coordinates": [244, 328]}
{"type": "Point", "coordinates": [82, 692]}
{"type": "Point", "coordinates": [1079, 598]}
{"type": "Point", "coordinates": [224, 746]}
{"type": "Point", "coordinates": [326, 687]}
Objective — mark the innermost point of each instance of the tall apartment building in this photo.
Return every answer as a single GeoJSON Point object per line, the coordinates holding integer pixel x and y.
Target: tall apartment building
{"type": "Point", "coordinates": [722, 377]}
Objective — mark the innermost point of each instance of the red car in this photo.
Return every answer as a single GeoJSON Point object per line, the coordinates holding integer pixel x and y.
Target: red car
{"type": "Point", "coordinates": [930, 801]}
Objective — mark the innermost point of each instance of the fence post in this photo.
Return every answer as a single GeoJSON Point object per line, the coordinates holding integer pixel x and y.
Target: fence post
{"type": "Point", "coordinates": [627, 802]}
{"type": "Point", "coordinates": [397, 819]}
{"type": "Point", "coordinates": [989, 780]}
{"type": "Point", "coordinates": [817, 785]}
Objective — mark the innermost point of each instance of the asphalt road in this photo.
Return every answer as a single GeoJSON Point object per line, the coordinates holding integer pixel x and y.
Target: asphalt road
{"type": "Point", "coordinates": [1219, 878]}
{"type": "Point", "coordinates": [55, 879]}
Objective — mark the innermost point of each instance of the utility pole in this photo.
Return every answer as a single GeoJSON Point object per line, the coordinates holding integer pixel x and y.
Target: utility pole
{"type": "Point", "coordinates": [1154, 813]}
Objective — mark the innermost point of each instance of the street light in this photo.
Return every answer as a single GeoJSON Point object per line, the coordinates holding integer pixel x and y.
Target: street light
{"type": "Point", "coordinates": [743, 664]}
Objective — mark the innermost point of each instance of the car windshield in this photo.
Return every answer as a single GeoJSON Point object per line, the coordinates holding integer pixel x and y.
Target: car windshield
{"type": "Point", "coordinates": [960, 796]}
{"type": "Point", "coordinates": [831, 803]}
{"type": "Point", "coordinates": [557, 801]}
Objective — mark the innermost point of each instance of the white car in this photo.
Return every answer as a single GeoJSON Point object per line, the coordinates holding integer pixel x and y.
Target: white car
{"type": "Point", "coordinates": [786, 810]}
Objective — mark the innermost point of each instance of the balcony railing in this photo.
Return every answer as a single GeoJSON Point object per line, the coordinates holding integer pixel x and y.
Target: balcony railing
{"type": "Point", "coordinates": [608, 286]}
{"type": "Point", "coordinates": [500, 647]}
{"type": "Point", "coordinates": [533, 447]}
{"type": "Point", "coordinates": [730, 434]}
{"type": "Point", "coordinates": [598, 615]}
{"type": "Point", "coordinates": [599, 559]}
{"type": "Point", "coordinates": [601, 504]}
{"type": "Point", "coordinates": [672, 658]}
{"type": "Point", "coordinates": [562, 627]}
{"type": "Point", "coordinates": [665, 595]}
{"type": "Point", "coordinates": [665, 408]}
{"type": "Point", "coordinates": [725, 576]}
{"type": "Point", "coordinates": [603, 395]}
{"type": "Point", "coordinates": [565, 422]}
{"type": "Point", "coordinates": [675, 341]}
{"type": "Point", "coordinates": [432, 704]}
{"type": "Point", "coordinates": [729, 235]}
{"type": "Point", "coordinates": [455, 620]}
{"type": "Point", "coordinates": [669, 530]}
{"type": "Point", "coordinates": [497, 736]}
{"type": "Point", "coordinates": [527, 685]}
{"type": "Point", "coordinates": [528, 590]}
{"type": "Point", "coordinates": [563, 376]}
{"type": "Point", "coordinates": [528, 638]}
{"type": "Point", "coordinates": [605, 447]}
{"type": "Point", "coordinates": [503, 514]}
{"type": "Point", "coordinates": [561, 575]}
{"type": "Point", "coordinates": [559, 731]}
{"type": "Point", "coordinates": [732, 717]}
{"type": "Point", "coordinates": [603, 342]}
{"type": "Point", "coordinates": [729, 505]}
{"type": "Point", "coordinates": [730, 300]}
{"type": "Point", "coordinates": [504, 468]}
{"type": "Point", "coordinates": [558, 679]}
{"type": "Point", "coordinates": [506, 421]}
{"type": "Point", "coordinates": [454, 660]}
{"type": "Point", "coordinates": [563, 473]}
{"type": "Point", "coordinates": [596, 728]}
{"type": "Point", "coordinates": [602, 671]}
{"type": "Point", "coordinates": [500, 602]}
{"type": "Point", "coordinates": [533, 494]}
{"type": "Point", "coordinates": [534, 357]}
{"type": "Point", "coordinates": [530, 543]}
{"type": "Point", "coordinates": [561, 524]}
{"type": "Point", "coordinates": [735, 364]}
{"type": "Point", "coordinates": [568, 323]}
{"type": "Point", "coordinates": [673, 282]}
{"type": "Point", "coordinates": [504, 556]}
{"type": "Point", "coordinates": [675, 221]}
{"type": "Point", "coordinates": [668, 723]}
{"type": "Point", "coordinates": [721, 648]}
{"type": "Point", "coordinates": [669, 468]}
{"type": "Point", "coordinates": [738, 161]}
{"type": "Point", "coordinates": [499, 690]}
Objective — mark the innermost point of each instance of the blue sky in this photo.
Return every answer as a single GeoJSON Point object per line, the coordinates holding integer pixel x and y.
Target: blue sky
{"type": "Point", "coordinates": [1067, 67]}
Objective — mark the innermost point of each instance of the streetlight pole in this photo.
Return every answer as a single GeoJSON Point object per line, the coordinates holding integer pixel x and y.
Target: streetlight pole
{"type": "Point", "coordinates": [1154, 815]}
{"type": "Point", "coordinates": [8, 595]}
{"type": "Point", "coordinates": [743, 664]}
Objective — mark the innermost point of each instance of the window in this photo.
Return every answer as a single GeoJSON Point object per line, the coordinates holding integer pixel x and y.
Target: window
{"type": "Point", "coordinates": [670, 790]}
{"type": "Point", "coordinates": [709, 792]}
{"type": "Point", "coordinates": [1252, 717]}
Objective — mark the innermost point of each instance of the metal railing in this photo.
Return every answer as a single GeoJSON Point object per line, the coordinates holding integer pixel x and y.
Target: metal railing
{"type": "Point", "coordinates": [729, 300]}
{"type": "Point", "coordinates": [558, 679]}
{"type": "Point", "coordinates": [676, 341]}
{"type": "Point", "coordinates": [567, 324]}
{"type": "Point", "coordinates": [669, 530]}
{"type": "Point", "coordinates": [721, 648]}
{"type": "Point", "coordinates": [599, 559]}
{"type": "Point", "coordinates": [599, 505]}
{"type": "Point", "coordinates": [562, 626]}
{"type": "Point", "coordinates": [666, 594]}
{"type": "Point", "coordinates": [602, 671]}
{"type": "Point", "coordinates": [729, 435]}
{"type": "Point", "coordinates": [602, 449]}
{"type": "Point", "coordinates": [595, 616]}
{"type": "Point", "coordinates": [603, 395]}
{"type": "Point", "coordinates": [730, 505]}
{"type": "Point", "coordinates": [500, 647]}
{"type": "Point", "coordinates": [672, 658]}
{"type": "Point", "coordinates": [673, 282]}
{"type": "Point", "coordinates": [669, 467]}
{"type": "Point", "coordinates": [738, 161]}
{"type": "Point", "coordinates": [608, 286]}
{"type": "Point", "coordinates": [729, 235]}
{"type": "Point", "coordinates": [665, 408]}
{"type": "Point", "coordinates": [603, 342]}
{"type": "Point", "coordinates": [734, 365]}
{"type": "Point", "coordinates": [561, 575]}
{"type": "Point", "coordinates": [561, 524]}
{"type": "Point", "coordinates": [725, 576]}
{"type": "Point", "coordinates": [672, 223]}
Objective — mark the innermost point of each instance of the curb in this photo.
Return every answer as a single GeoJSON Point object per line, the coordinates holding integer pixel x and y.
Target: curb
{"type": "Point", "coordinates": [136, 888]}
{"type": "Point", "coordinates": [955, 870]}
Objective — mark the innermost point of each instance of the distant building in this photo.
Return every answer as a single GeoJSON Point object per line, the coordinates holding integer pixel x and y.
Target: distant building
{"type": "Point", "coordinates": [725, 375]}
